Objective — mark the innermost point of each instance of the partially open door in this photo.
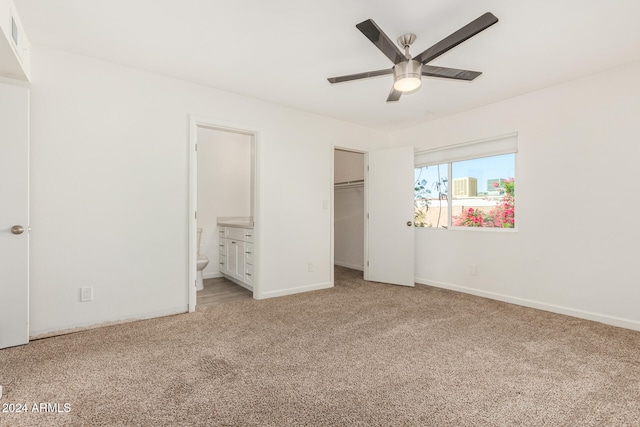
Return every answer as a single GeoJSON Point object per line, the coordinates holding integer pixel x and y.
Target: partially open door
{"type": "Point", "coordinates": [390, 209]}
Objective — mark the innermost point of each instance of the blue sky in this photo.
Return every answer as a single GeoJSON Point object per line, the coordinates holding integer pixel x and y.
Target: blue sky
{"type": "Point", "coordinates": [482, 169]}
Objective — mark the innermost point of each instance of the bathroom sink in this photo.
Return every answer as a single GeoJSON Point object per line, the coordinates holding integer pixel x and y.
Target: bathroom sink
{"type": "Point", "coordinates": [241, 222]}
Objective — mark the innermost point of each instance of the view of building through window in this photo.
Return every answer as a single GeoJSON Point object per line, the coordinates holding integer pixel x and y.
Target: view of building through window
{"type": "Point", "coordinates": [481, 193]}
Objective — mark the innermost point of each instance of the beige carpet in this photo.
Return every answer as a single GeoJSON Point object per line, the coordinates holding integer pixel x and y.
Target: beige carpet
{"type": "Point", "coordinates": [361, 354]}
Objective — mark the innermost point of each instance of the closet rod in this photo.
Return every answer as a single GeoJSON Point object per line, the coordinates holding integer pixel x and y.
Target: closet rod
{"type": "Point", "coordinates": [344, 186]}
{"type": "Point", "coordinates": [359, 181]}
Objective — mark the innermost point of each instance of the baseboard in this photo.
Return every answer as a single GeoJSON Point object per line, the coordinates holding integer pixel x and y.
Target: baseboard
{"type": "Point", "coordinates": [46, 333]}
{"type": "Point", "coordinates": [291, 291]}
{"type": "Point", "coordinates": [347, 265]}
{"type": "Point", "coordinates": [568, 311]}
{"type": "Point", "coordinates": [212, 275]}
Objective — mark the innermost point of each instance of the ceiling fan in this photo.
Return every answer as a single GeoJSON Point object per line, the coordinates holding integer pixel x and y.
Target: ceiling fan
{"type": "Point", "coordinates": [407, 70]}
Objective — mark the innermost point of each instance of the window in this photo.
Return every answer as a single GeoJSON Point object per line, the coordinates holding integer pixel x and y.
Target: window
{"type": "Point", "coordinates": [431, 196]}
{"type": "Point", "coordinates": [484, 192]}
{"type": "Point", "coordinates": [473, 189]}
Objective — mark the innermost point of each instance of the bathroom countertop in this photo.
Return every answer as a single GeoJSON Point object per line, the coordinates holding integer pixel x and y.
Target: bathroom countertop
{"type": "Point", "coordinates": [240, 222]}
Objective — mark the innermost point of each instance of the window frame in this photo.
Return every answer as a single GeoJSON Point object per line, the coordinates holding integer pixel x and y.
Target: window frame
{"type": "Point", "coordinates": [489, 147]}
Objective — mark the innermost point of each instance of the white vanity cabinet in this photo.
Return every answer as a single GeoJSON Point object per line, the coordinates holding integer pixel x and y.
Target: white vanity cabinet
{"type": "Point", "coordinates": [235, 259]}
{"type": "Point", "coordinates": [222, 251]}
{"type": "Point", "coordinates": [236, 254]}
{"type": "Point", "coordinates": [248, 264]}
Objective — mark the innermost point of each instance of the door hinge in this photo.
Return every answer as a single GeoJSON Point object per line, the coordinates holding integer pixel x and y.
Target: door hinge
{"type": "Point", "coordinates": [367, 263]}
{"type": "Point", "coordinates": [196, 147]}
{"type": "Point", "coordinates": [195, 215]}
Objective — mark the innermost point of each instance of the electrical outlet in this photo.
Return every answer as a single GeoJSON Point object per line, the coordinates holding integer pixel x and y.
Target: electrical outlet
{"type": "Point", "coordinates": [310, 267]}
{"type": "Point", "coordinates": [86, 294]}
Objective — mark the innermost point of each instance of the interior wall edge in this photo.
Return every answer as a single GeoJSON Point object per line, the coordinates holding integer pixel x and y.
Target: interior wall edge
{"type": "Point", "coordinates": [348, 265]}
{"type": "Point", "coordinates": [523, 302]}
{"type": "Point", "coordinates": [69, 329]}
{"type": "Point", "coordinates": [295, 290]}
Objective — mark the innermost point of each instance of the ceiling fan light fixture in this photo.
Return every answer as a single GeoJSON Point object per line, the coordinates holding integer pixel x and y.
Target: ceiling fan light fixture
{"type": "Point", "coordinates": [407, 83]}
{"type": "Point", "coordinates": [407, 76]}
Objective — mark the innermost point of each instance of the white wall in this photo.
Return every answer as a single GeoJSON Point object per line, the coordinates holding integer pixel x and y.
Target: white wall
{"type": "Point", "coordinates": [348, 205]}
{"type": "Point", "coordinates": [224, 186]}
{"type": "Point", "coordinates": [576, 175]}
{"type": "Point", "coordinates": [109, 189]}
{"type": "Point", "coordinates": [349, 227]}
{"type": "Point", "coordinates": [348, 166]}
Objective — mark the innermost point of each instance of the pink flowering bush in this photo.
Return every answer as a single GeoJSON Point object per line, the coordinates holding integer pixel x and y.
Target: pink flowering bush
{"type": "Point", "coordinates": [501, 216]}
{"type": "Point", "coordinates": [470, 218]}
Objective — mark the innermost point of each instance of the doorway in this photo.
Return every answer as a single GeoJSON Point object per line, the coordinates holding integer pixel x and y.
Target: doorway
{"type": "Point", "coordinates": [349, 208]}
{"type": "Point", "coordinates": [388, 213]}
{"type": "Point", "coordinates": [222, 185]}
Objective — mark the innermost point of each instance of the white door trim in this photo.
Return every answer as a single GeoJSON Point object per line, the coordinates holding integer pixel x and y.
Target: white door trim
{"type": "Point", "coordinates": [196, 122]}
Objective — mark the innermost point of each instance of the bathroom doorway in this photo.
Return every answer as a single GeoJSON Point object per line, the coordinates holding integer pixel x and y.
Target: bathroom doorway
{"type": "Point", "coordinates": [222, 185]}
{"type": "Point", "coordinates": [349, 208]}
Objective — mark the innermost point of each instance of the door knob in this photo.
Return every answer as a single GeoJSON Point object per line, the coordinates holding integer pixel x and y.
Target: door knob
{"type": "Point", "coordinates": [409, 223]}
{"type": "Point", "coordinates": [17, 229]}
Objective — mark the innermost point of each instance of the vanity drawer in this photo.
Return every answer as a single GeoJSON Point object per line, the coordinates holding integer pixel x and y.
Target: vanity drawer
{"type": "Point", "coordinates": [221, 232]}
{"type": "Point", "coordinates": [248, 274]}
{"type": "Point", "coordinates": [242, 234]}
{"type": "Point", "coordinates": [248, 253]}
{"type": "Point", "coordinates": [222, 244]}
{"type": "Point", "coordinates": [222, 261]}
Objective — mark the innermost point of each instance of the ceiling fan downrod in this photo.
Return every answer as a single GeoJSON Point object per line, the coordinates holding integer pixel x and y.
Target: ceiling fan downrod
{"type": "Point", "coordinates": [405, 41]}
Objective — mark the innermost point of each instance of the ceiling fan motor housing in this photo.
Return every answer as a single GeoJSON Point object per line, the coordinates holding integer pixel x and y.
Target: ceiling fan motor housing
{"type": "Point", "coordinates": [407, 75]}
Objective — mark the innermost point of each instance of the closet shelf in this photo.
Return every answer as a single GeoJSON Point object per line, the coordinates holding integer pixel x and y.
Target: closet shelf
{"type": "Point", "coordinates": [348, 184]}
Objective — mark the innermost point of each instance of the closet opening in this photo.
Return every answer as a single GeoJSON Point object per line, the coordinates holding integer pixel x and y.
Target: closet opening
{"type": "Point", "coordinates": [348, 210]}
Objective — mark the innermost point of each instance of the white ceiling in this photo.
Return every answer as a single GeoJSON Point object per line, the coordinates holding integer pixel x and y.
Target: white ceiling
{"type": "Point", "coordinates": [282, 51]}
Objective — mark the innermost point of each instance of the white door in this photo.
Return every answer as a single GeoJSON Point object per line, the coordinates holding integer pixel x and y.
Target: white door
{"type": "Point", "coordinates": [14, 215]}
{"type": "Point", "coordinates": [390, 207]}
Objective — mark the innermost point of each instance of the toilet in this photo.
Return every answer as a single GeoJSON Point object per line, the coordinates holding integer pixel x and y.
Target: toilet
{"type": "Point", "coordinates": [202, 263]}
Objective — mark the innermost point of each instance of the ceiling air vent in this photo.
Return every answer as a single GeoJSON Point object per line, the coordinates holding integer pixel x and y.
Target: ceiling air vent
{"type": "Point", "coordinates": [14, 31]}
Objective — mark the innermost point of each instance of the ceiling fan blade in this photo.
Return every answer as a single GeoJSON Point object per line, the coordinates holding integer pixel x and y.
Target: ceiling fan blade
{"type": "Point", "coordinates": [394, 95]}
{"type": "Point", "coordinates": [371, 31]}
{"type": "Point", "coordinates": [464, 33]}
{"type": "Point", "coordinates": [360, 76]}
{"type": "Point", "coordinates": [449, 73]}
